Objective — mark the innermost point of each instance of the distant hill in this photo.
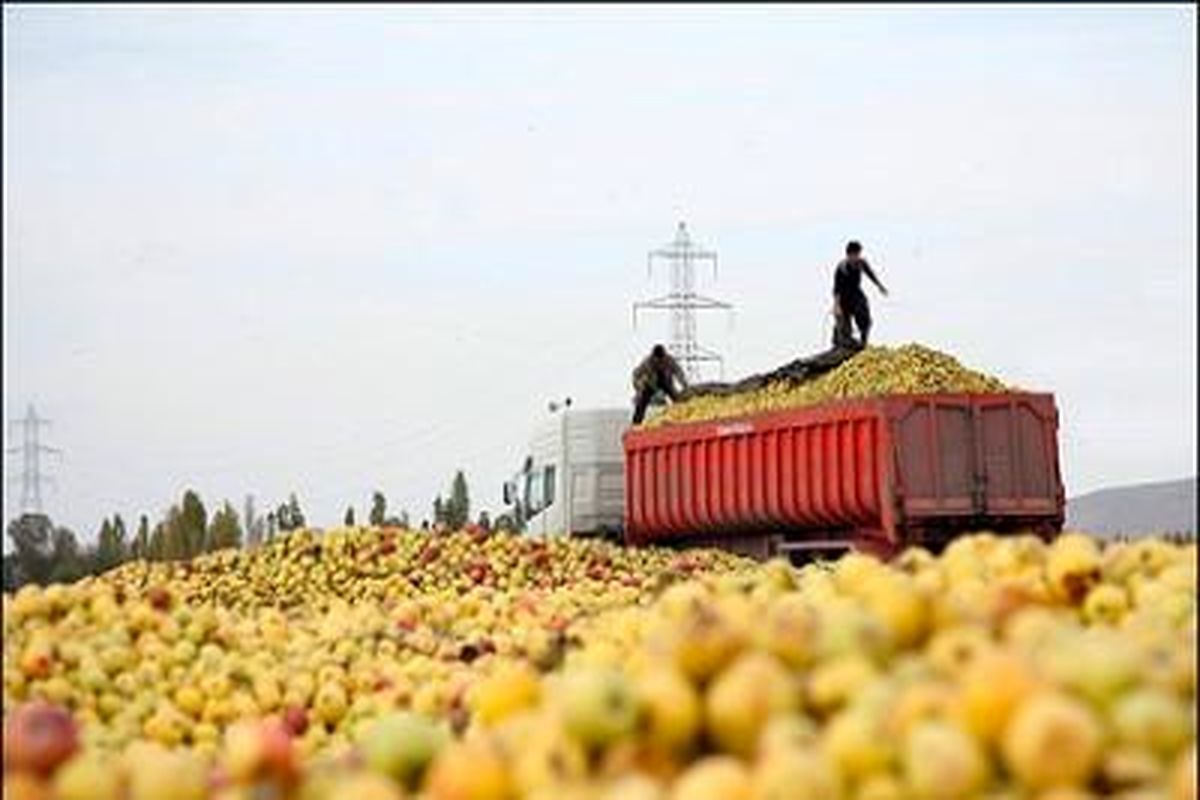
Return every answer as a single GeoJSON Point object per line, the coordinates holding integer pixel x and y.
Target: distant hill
{"type": "Point", "coordinates": [1142, 508]}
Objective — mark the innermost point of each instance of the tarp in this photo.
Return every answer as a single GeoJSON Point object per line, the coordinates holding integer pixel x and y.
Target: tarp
{"type": "Point", "coordinates": [797, 371]}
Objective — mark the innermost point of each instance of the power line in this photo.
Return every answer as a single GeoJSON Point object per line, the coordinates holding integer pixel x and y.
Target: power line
{"type": "Point", "coordinates": [31, 450]}
{"type": "Point", "coordinates": [683, 302]}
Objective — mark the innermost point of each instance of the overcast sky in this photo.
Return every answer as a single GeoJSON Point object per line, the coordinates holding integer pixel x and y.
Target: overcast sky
{"type": "Point", "coordinates": [327, 250]}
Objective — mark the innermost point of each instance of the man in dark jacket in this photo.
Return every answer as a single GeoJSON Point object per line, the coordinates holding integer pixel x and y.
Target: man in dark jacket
{"type": "Point", "coordinates": [849, 300]}
{"type": "Point", "coordinates": [658, 372]}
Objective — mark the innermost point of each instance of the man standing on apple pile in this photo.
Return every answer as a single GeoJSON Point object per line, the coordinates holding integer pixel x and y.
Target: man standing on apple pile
{"type": "Point", "coordinates": [849, 301]}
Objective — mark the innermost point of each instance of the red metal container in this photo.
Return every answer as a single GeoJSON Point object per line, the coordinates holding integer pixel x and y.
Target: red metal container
{"type": "Point", "coordinates": [877, 474]}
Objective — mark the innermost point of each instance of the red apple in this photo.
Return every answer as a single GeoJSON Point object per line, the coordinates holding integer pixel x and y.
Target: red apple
{"type": "Point", "coordinates": [279, 757]}
{"type": "Point", "coordinates": [296, 720]}
{"type": "Point", "coordinates": [159, 597]}
{"type": "Point", "coordinates": [429, 553]}
{"type": "Point", "coordinates": [38, 737]}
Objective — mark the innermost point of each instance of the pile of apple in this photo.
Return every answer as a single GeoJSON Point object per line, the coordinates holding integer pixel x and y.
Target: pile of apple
{"type": "Point", "coordinates": [310, 569]}
{"type": "Point", "coordinates": [1005, 668]}
{"type": "Point", "coordinates": [873, 372]}
{"type": "Point", "coordinates": [324, 630]}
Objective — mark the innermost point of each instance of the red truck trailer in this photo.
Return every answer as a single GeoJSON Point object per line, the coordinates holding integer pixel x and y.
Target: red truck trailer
{"type": "Point", "coordinates": [874, 474]}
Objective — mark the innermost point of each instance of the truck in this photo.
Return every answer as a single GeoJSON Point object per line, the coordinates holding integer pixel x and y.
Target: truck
{"type": "Point", "coordinates": [572, 478]}
{"type": "Point", "coordinates": [874, 474]}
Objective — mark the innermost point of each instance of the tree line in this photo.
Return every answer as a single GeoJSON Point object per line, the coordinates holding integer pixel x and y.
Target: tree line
{"type": "Point", "coordinates": [44, 552]}
{"type": "Point", "coordinates": [47, 553]}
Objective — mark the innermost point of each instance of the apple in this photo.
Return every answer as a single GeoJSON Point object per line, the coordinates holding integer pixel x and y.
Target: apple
{"type": "Point", "coordinates": [363, 786]}
{"type": "Point", "coordinates": [159, 598]}
{"type": "Point", "coordinates": [401, 745]}
{"type": "Point", "coordinates": [510, 688]}
{"type": "Point", "coordinates": [743, 697]}
{"type": "Point", "coordinates": [599, 705]}
{"type": "Point", "coordinates": [38, 737]}
{"type": "Point", "coordinates": [787, 773]}
{"type": "Point", "coordinates": [88, 776]}
{"type": "Point", "coordinates": [942, 762]}
{"type": "Point", "coordinates": [1053, 741]}
{"type": "Point", "coordinates": [25, 786]}
{"type": "Point", "coordinates": [295, 717]}
{"type": "Point", "coordinates": [672, 710]}
{"type": "Point", "coordinates": [714, 778]}
{"type": "Point", "coordinates": [468, 769]}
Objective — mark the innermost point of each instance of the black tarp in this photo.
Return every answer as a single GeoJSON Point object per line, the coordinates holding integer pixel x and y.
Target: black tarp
{"type": "Point", "coordinates": [797, 371]}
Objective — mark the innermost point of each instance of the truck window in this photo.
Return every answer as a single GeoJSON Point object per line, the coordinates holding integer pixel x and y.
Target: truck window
{"type": "Point", "coordinates": [548, 486]}
{"type": "Point", "coordinates": [535, 490]}
{"type": "Point", "coordinates": [531, 498]}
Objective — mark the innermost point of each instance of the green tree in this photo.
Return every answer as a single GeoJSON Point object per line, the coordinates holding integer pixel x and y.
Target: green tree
{"type": "Point", "coordinates": [297, 514]}
{"type": "Point", "coordinates": [439, 510]}
{"type": "Point", "coordinates": [293, 516]}
{"type": "Point", "coordinates": [378, 509]}
{"type": "Point", "coordinates": [485, 520]}
{"type": "Point", "coordinates": [106, 555]}
{"type": "Point", "coordinates": [193, 521]}
{"type": "Point", "coordinates": [176, 541]}
{"type": "Point", "coordinates": [458, 507]}
{"type": "Point", "coordinates": [157, 549]}
{"type": "Point", "coordinates": [42, 553]}
{"type": "Point", "coordinates": [225, 530]}
{"type": "Point", "coordinates": [348, 520]}
{"type": "Point", "coordinates": [120, 539]}
{"type": "Point", "coordinates": [31, 536]}
{"type": "Point", "coordinates": [140, 548]}
{"type": "Point", "coordinates": [112, 545]}
{"type": "Point", "coordinates": [69, 563]}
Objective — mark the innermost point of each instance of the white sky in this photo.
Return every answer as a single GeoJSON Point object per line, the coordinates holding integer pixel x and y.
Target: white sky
{"type": "Point", "coordinates": [326, 250]}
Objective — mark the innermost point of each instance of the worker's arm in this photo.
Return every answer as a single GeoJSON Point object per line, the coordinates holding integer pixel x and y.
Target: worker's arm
{"type": "Point", "coordinates": [870, 273]}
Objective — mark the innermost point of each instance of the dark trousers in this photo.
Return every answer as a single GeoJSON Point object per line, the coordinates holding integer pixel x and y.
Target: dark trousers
{"type": "Point", "coordinates": [854, 308]}
{"type": "Point", "coordinates": [646, 395]}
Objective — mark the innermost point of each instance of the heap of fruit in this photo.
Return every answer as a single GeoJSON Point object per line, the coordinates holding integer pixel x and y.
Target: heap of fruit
{"type": "Point", "coordinates": [329, 629]}
{"type": "Point", "coordinates": [1003, 668]}
{"type": "Point", "coordinates": [910, 369]}
{"type": "Point", "coordinates": [306, 568]}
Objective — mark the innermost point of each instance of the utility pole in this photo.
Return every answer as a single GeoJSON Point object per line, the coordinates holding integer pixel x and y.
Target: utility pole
{"type": "Point", "coordinates": [683, 302]}
{"type": "Point", "coordinates": [31, 449]}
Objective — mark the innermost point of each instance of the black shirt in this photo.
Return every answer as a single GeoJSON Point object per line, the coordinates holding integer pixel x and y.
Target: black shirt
{"type": "Point", "coordinates": [847, 278]}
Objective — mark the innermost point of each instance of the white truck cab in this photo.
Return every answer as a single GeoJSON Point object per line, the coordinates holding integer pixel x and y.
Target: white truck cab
{"type": "Point", "coordinates": [572, 481]}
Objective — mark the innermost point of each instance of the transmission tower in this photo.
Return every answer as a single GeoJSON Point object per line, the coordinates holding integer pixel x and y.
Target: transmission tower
{"type": "Point", "coordinates": [31, 450]}
{"type": "Point", "coordinates": [683, 302]}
